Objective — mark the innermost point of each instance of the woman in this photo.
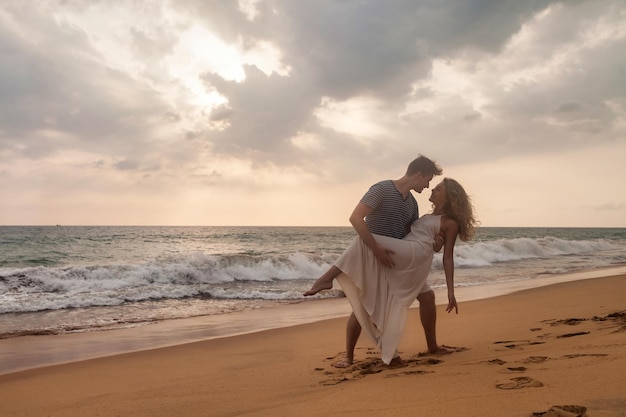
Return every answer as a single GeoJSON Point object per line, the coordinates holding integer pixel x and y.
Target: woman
{"type": "Point", "coordinates": [381, 296]}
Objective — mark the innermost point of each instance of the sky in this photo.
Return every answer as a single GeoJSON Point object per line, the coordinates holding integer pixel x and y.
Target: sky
{"type": "Point", "coordinates": [284, 112]}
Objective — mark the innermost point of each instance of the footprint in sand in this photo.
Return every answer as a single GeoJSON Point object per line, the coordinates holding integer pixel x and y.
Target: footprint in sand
{"type": "Point", "coordinates": [520, 382]}
{"type": "Point", "coordinates": [333, 381]}
{"type": "Point", "coordinates": [517, 369]}
{"type": "Point", "coordinates": [373, 365]}
{"type": "Point", "coordinates": [616, 318]}
{"type": "Point", "coordinates": [536, 359]}
{"type": "Point", "coordinates": [572, 334]}
{"type": "Point", "coordinates": [415, 362]}
{"type": "Point", "coordinates": [563, 411]}
{"type": "Point", "coordinates": [580, 355]}
{"type": "Point", "coordinates": [407, 373]}
{"type": "Point", "coordinates": [517, 344]}
{"type": "Point", "coordinates": [571, 322]}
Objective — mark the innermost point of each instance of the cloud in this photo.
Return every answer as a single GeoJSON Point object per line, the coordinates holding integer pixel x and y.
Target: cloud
{"type": "Point", "coordinates": [146, 95]}
{"type": "Point", "coordinates": [59, 93]}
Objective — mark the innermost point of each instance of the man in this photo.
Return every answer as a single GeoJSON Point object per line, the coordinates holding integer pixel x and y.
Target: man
{"type": "Point", "coordinates": [388, 208]}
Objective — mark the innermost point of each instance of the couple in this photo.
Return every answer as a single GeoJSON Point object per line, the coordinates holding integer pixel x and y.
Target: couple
{"type": "Point", "coordinates": [386, 266]}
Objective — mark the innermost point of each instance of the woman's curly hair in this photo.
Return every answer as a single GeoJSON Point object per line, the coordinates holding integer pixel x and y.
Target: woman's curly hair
{"type": "Point", "coordinates": [459, 208]}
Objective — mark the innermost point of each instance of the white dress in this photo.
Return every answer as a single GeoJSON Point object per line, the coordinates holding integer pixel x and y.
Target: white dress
{"type": "Point", "coordinates": [381, 296]}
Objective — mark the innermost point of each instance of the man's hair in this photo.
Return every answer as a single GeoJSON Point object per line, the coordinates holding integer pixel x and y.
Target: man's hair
{"type": "Point", "coordinates": [423, 165]}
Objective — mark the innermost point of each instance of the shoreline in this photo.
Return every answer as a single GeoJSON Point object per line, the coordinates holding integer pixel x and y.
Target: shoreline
{"type": "Point", "coordinates": [517, 354]}
{"type": "Point", "coordinates": [35, 351]}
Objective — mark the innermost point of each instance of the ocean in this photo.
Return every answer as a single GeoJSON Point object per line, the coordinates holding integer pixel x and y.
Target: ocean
{"type": "Point", "coordinates": [66, 279]}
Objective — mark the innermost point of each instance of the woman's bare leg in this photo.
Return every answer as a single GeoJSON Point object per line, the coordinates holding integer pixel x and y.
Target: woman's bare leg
{"type": "Point", "coordinates": [428, 317]}
{"type": "Point", "coordinates": [325, 282]}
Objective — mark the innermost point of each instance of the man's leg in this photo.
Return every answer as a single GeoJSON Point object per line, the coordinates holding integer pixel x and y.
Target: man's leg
{"type": "Point", "coordinates": [428, 316]}
{"type": "Point", "coordinates": [353, 331]}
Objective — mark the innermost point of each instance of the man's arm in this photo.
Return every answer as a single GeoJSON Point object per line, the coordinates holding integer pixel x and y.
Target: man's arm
{"type": "Point", "coordinates": [357, 219]}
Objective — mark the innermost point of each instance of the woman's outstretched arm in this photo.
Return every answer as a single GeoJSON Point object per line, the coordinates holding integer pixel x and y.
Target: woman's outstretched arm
{"type": "Point", "coordinates": [451, 231]}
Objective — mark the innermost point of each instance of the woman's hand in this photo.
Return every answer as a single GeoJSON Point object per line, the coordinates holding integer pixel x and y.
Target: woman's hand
{"type": "Point", "coordinates": [452, 305]}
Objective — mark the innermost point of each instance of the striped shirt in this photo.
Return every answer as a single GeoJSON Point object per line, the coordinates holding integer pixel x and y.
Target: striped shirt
{"type": "Point", "coordinates": [392, 214]}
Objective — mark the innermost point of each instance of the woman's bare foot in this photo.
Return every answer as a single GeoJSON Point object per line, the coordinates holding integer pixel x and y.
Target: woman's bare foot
{"type": "Point", "coordinates": [344, 363]}
{"type": "Point", "coordinates": [325, 282]}
{"type": "Point", "coordinates": [319, 285]}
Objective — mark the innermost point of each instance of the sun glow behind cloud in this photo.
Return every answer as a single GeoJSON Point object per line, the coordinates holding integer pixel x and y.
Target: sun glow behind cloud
{"type": "Point", "coordinates": [198, 52]}
{"type": "Point", "coordinates": [358, 116]}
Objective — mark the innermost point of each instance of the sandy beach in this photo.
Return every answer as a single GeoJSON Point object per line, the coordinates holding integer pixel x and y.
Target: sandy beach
{"type": "Point", "coordinates": [518, 354]}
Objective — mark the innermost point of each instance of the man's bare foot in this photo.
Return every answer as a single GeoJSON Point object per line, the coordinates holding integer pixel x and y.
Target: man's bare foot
{"type": "Point", "coordinates": [344, 363]}
{"type": "Point", "coordinates": [318, 286]}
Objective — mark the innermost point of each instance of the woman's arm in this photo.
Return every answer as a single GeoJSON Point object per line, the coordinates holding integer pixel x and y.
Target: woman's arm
{"type": "Point", "coordinates": [451, 230]}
